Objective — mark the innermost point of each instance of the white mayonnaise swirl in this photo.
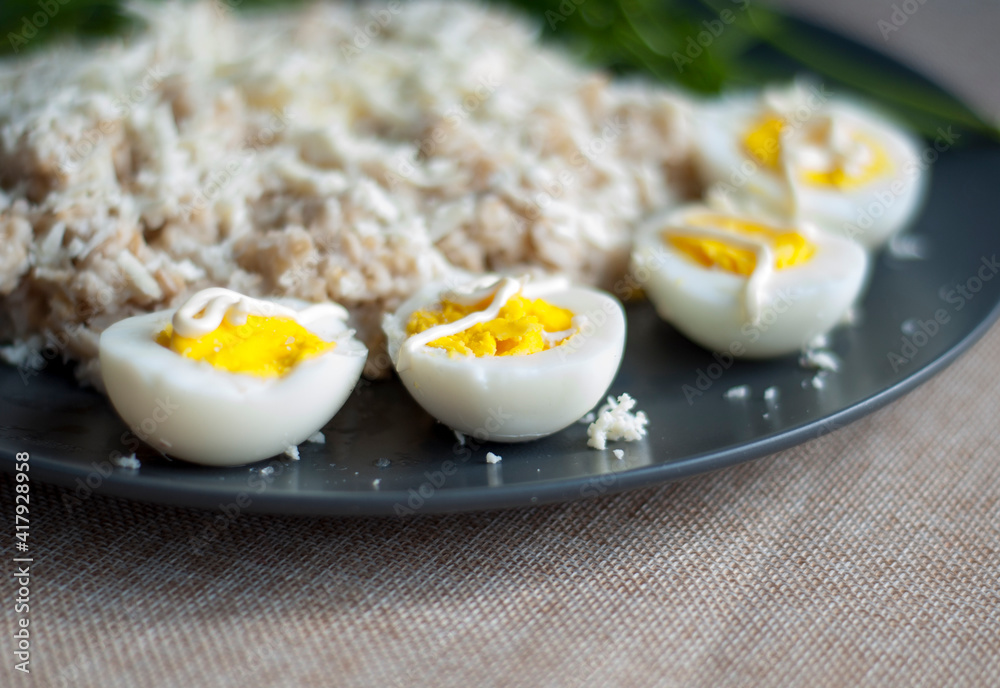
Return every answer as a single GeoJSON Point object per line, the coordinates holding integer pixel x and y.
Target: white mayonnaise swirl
{"type": "Point", "coordinates": [503, 290]}
{"type": "Point", "coordinates": [755, 288]}
{"type": "Point", "coordinates": [205, 311]}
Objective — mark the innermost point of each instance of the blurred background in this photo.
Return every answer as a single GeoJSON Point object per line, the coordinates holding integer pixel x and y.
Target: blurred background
{"type": "Point", "coordinates": [704, 45]}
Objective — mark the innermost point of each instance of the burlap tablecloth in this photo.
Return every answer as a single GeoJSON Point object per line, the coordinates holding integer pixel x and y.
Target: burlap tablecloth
{"type": "Point", "coordinates": [867, 557]}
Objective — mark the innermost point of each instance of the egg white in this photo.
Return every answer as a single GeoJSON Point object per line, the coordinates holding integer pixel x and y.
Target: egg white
{"type": "Point", "coordinates": [869, 214]}
{"type": "Point", "coordinates": [191, 410]}
{"type": "Point", "coordinates": [708, 305]}
{"type": "Point", "coordinates": [515, 398]}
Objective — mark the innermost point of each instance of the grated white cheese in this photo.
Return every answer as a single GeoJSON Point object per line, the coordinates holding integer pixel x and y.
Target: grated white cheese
{"type": "Point", "coordinates": [493, 458]}
{"type": "Point", "coordinates": [771, 395]}
{"type": "Point", "coordinates": [277, 154]}
{"type": "Point", "coordinates": [267, 470]}
{"type": "Point", "coordinates": [129, 462]}
{"type": "Point", "coordinates": [741, 392]}
{"type": "Point", "coordinates": [619, 454]}
{"type": "Point", "coordinates": [616, 422]}
{"type": "Point", "coordinates": [588, 419]}
{"type": "Point", "coordinates": [292, 452]}
{"type": "Point", "coordinates": [317, 438]}
{"type": "Point", "coordinates": [819, 359]}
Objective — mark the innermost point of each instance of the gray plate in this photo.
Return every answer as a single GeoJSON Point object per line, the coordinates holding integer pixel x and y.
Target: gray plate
{"type": "Point", "coordinates": [71, 432]}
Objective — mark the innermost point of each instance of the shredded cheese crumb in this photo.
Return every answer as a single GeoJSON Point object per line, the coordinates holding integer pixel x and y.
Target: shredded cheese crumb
{"type": "Point", "coordinates": [292, 452]}
{"type": "Point", "coordinates": [741, 392]}
{"type": "Point", "coordinates": [619, 454]}
{"type": "Point", "coordinates": [129, 462]}
{"type": "Point", "coordinates": [493, 458]}
{"type": "Point", "coordinates": [317, 438]}
{"type": "Point", "coordinates": [267, 470]}
{"type": "Point", "coordinates": [819, 359]}
{"type": "Point", "coordinates": [615, 421]}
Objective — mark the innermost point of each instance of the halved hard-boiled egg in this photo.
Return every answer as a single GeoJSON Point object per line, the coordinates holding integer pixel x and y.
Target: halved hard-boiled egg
{"type": "Point", "coordinates": [802, 153]}
{"type": "Point", "coordinates": [507, 359]}
{"type": "Point", "coordinates": [225, 379]}
{"type": "Point", "coordinates": [743, 285]}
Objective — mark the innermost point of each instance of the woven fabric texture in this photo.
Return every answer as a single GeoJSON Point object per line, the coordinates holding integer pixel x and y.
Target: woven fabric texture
{"type": "Point", "coordinates": [867, 557]}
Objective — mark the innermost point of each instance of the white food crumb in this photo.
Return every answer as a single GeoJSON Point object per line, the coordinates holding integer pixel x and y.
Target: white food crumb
{"type": "Point", "coordinates": [852, 316]}
{"type": "Point", "coordinates": [460, 437]}
{"type": "Point", "coordinates": [292, 452]}
{"type": "Point", "coordinates": [588, 419]}
{"type": "Point", "coordinates": [907, 247]}
{"type": "Point", "coordinates": [376, 483]}
{"type": "Point", "coordinates": [741, 392]}
{"type": "Point", "coordinates": [819, 359]}
{"type": "Point", "coordinates": [317, 438]}
{"type": "Point", "coordinates": [771, 395]}
{"type": "Point", "coordinates": [616, 422]}
{"type": "Point", "coordinates": [129, 462]}
{"type": "Point", "coordinates": [619, 453]}
{"type": "Point", "coordinates": [493, 458]}
{"type": "Point", "coordinates": [818, 381]}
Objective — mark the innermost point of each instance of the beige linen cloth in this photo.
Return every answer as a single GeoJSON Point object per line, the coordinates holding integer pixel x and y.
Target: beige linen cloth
{"type": "Point", "coordinates": [868, 557]}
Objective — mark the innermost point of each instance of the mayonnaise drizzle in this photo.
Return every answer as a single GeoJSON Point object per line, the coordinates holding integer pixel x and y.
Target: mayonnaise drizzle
{"type": "Point", "coordinates": [838, 145]}
{"type": "Point", "coordinates": [205, 311]}
{"type": "Point", "coordinates": [503, 290]}
{"type": "Point", "coordinates": [756, 284]}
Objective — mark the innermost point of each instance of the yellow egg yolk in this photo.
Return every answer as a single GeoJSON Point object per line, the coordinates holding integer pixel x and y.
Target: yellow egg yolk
{"type": "Point", "coordinates": [518, 329]}
{"type": "Point", "coordinates": [263, 346]}
{"type": "Point", "coordinates": [790, 248]}
{"type": "Point", "coordinates": [763, 143]}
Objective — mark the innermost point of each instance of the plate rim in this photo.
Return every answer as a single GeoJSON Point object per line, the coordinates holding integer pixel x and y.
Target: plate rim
{"type": "Point", "coordinates": [520, 495]}
{"type": "Point", "coordinates": [122, 485]}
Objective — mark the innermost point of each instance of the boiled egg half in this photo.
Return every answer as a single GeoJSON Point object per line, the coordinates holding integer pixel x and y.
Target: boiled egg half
{"type": "Point", "coordinates": [803, 153]}
{"type": "Point", "coordinates": [507, 359]}
{"type": "Point", "coordinates": [226, 379]}
{"type": "Point", "coordinates": [742, 285]}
